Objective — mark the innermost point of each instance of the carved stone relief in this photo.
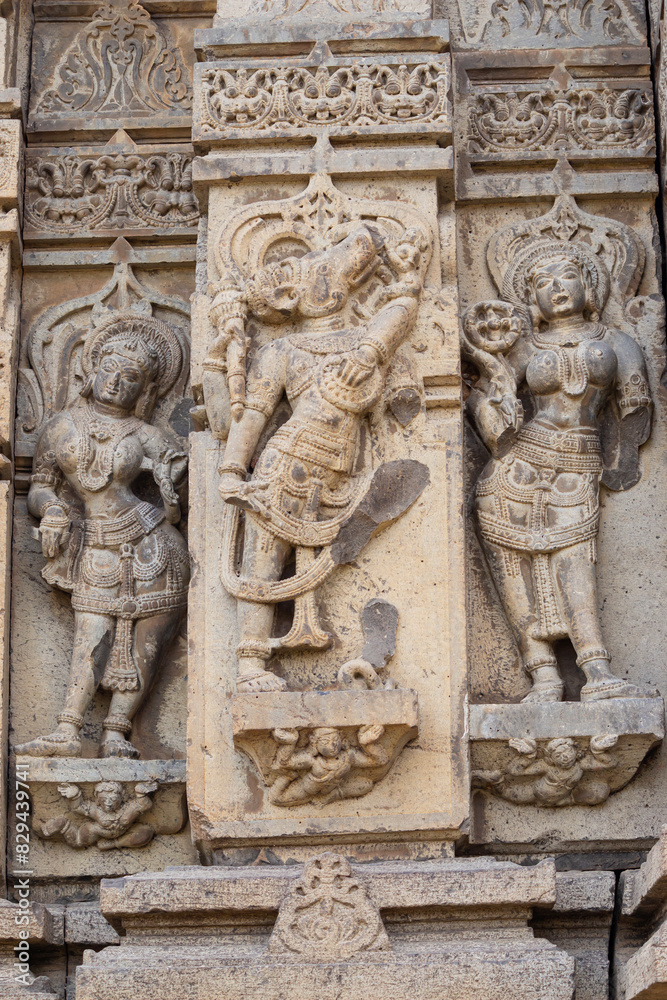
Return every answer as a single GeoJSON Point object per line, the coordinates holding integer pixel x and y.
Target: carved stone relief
{"type": "Point", "coordinates": [122, 63]}
{"type": "Point", "coordinates": [584, 133]}
{"type": "Point", "coordinates": [565, 279]}
{"type": "Point", "coordinates": [110, 816]}
{"type": "Point", "coordinates": [106, 804]}
{"type": "Point", "coordinates": [121, 557]}
{"type": "Point", "coordinates": [329, 384]}
{"type": "Point", "coordinates": [303, 495]}
{"type": "Point", "coordinates": [542, 23]}
{"type": "Point", "coordinates": [556, 773]}
{"type": "Point", "coordinates": [10, 160]}
{"type": "Point", "coordinates": [119, 188]}
{"type": "Point", "coordinates": [322, 10]}
{"type": "Point", "coordinates": [580, 118]}
{"type": "Point", "coordinates": [520, 753]}
{"type": "Point", "coordinates": [328, 915]}
{"type": "Point", "coordinates": [323, 763]}
{"type": "Point", "coordinates": [334, 97]}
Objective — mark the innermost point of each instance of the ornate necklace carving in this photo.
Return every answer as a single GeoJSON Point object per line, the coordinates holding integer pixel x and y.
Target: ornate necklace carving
{"type": "Point", "coordinates": [94, 465]}
{"type": "Point", "coordinates": [571, 358]}
{"type": "Point", "coordinates": [566, 337]}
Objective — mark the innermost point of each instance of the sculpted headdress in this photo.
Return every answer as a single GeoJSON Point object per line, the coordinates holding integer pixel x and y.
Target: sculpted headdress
{"type": "Point", "coordinates": [609, 252]}
{"type": "Point", "coordinates": [152, 343]}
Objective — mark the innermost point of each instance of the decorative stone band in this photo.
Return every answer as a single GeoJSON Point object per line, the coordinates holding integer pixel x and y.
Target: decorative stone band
{"type": "Point", "coordinates": [519, 121]}
{"type": "Point", "coordinates": [123, 529]}
{"type": "Point", "coordinates": [131, 609]}
{"type": "Point", "coordinates": [79, 193]}
{"type": "Point", "coordinates": [561, 451]}
{"type": "Point", "coordinates": [243, 102]}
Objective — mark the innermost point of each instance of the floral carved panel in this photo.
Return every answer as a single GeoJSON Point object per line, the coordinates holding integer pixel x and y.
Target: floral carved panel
{"type": "Point", "coordinates": [401, 95]}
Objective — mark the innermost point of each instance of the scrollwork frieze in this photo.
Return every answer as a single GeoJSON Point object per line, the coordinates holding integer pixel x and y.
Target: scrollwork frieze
{"type": "Point", "coordinates": [515, 121]}
{"type": "Point", "coordinates": [241, 102]}
{"type": "Point", "coordinates": [75, 193]}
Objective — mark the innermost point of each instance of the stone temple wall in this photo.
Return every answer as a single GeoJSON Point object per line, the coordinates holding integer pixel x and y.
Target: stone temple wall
{"type": "Point", "coordinates": [333, 438]}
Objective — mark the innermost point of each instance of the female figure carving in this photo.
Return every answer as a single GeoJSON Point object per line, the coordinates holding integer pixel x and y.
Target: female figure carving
{"type": "Point", "coordinates": [122, 558]}
{"type": "Point", "coordinates": [537, 500]}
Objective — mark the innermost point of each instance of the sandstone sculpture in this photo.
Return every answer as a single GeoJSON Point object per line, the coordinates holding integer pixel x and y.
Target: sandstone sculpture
{"type": "Point", "coordinates": [304, 491]}
{"type": "Point", "coordinates": [560, 773]}
{"type": "Point", "coordinates": [328, 914]}
{"type": "Point", "coordinates": [122, 559]}
{"type": "Point", "coordinates": [538, 498]}
{"type": "Point", "coordinates": [111, 816]}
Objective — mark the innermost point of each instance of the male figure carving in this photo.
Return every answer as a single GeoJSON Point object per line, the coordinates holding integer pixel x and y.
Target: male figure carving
{"type": "Point", "coordinates": [304, 486]}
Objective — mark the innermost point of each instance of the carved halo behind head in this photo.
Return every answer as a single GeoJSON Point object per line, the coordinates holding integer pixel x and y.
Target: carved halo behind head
{"type": "Point", "coordinates": [149, 342]}
{"type": "Point", "coordinates": [517, 284]}
{"type": "Point", "coordinates": [609, 253]}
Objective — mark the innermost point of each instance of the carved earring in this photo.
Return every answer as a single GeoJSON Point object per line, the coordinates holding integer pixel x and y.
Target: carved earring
{"type": "Point", "coordinates": [146, 402]}
{"type": "Point", "coordinates": [87, 387]}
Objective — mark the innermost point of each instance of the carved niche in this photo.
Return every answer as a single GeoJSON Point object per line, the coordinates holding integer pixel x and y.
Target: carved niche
{"type": "Point", "coordinates": [87, 406]}
{"type": "Point", "coordinates": [122, 63]}
{"type": "Point", "coordinates": [551, 120]}
{"type": "Point", "coordinates": [562, 403]}
{"type": "Point", "coordinates": [335, 283]}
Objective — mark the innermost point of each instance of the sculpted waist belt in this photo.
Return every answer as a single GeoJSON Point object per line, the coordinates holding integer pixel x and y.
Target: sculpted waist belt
{"type": "Point", "coordinates": [564, 451]}
{"type": "Point", "coordinates": [549, 540]}
{"type": "Point", "coordinates": [136, 523]}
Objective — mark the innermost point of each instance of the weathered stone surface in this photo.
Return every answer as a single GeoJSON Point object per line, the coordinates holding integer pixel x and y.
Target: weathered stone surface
{"type": "Point", "coordinates": [471, 891]}
{"type": "Point", "coordinates": [553, 126]}
{"type": "Point", "coordinates": [102, 191]}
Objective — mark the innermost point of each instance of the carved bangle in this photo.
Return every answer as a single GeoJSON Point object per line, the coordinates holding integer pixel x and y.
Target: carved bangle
{"type": "Point", "coordinates": [117, 724]}
{"type": "Point", "coordinates": [54, 505]}
{"type": "Point", "coordinates": [592, 654]}
{"type": "Point", "coordinates": [73, 718]}
{"type": "Point", "coordinates": [254, 648]}
{"type": "Point", "coordinates": [377, 346]}
{"type": "Point", "coordinates": [232, 467]}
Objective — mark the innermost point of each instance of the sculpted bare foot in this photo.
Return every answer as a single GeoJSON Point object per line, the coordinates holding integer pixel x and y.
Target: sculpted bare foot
{"type": "Point", "coordinates": [118, 748]}
{"type": "Point", "coordinates": [259, 680]}
{"type": "Point", "coordinates": [614, 687]}
{"type": "Point", "coordinates": [543, 692]}
{"type": "Point", "coordinates": [54, 745]}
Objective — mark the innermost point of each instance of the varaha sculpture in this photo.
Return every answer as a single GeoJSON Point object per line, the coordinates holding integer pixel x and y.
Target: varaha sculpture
{"type": "Point", "coordinates": [537, 500]}
{"type": "Point", "coordinates": [122, 559]}
{"type": "Point", "coordinates": [334, 365]}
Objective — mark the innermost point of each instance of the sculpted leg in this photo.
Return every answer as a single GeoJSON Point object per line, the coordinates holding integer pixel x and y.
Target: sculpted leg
{"type": "Point", "coordinates": [93, 636]}
{"type": "Point", "coordinates": [152, 637]}
{"type": "Point", "coordinates": [515, 590]}
{"type": "Point", "coordinates": [576, 578]}
{"type": "Point", "coordinates": [264, 558]}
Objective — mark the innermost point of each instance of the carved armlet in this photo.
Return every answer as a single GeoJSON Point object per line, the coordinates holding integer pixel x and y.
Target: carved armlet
{"type": "Point", "coordinates": [634, 393]}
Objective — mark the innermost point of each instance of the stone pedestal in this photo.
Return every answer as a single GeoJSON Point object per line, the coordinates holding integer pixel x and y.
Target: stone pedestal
{"type": "Point", "coordinates": [456, 929]}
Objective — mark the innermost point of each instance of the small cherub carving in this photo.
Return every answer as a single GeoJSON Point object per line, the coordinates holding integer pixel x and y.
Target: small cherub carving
{"type": "Point", "coordinates": [326, 767]}
{"type": "Point", "coordinates": [110, 816]}
{"type": "Point", "coordinates": [559, 771]}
